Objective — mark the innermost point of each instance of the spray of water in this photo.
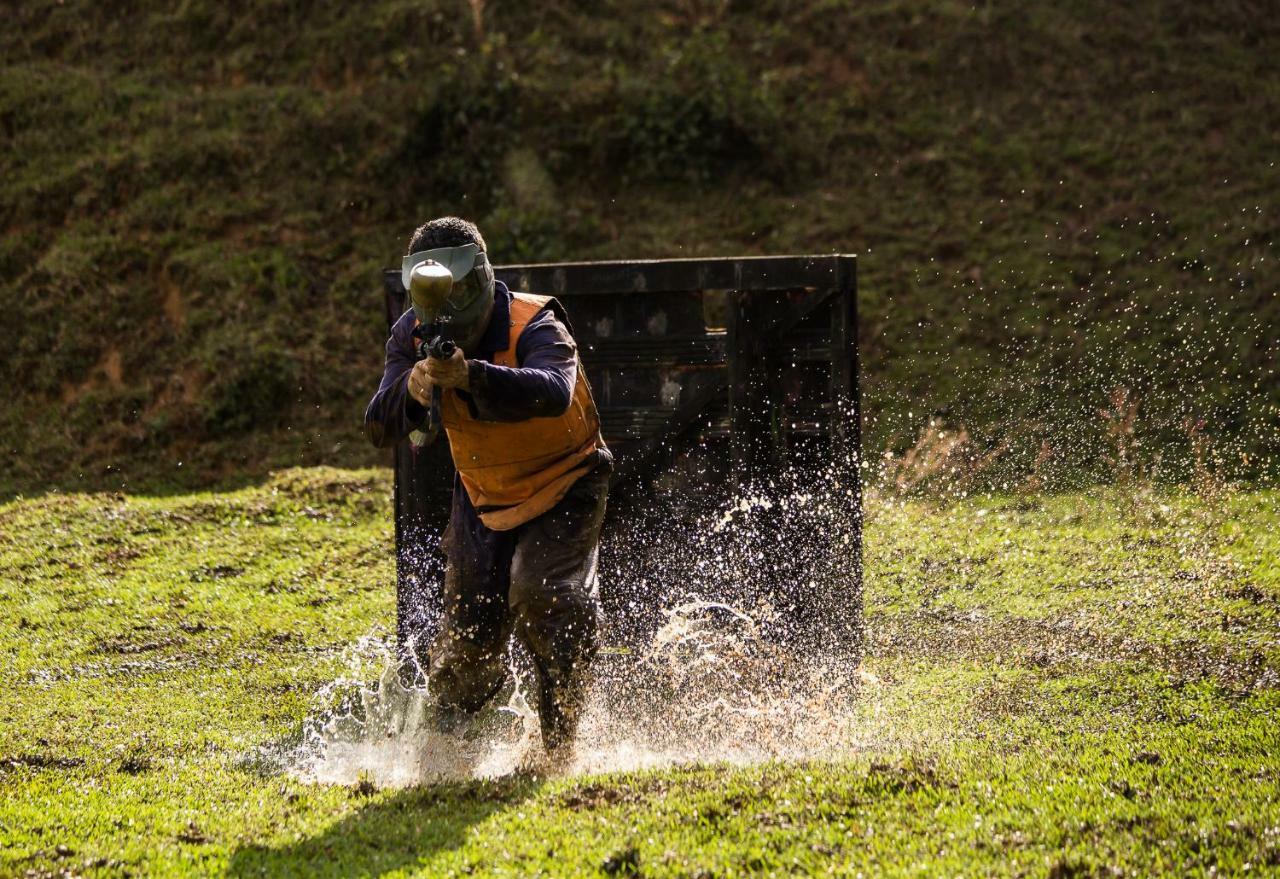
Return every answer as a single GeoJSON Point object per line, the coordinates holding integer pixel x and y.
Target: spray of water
{"type": "Point", "coordinates": [704, 691]}
{"type": "Point", "coordinates": [726, 671]}
{"type": "Point", "coordinates": [374, 725]}
{"type": "Point", "coordinates": [710, 687]}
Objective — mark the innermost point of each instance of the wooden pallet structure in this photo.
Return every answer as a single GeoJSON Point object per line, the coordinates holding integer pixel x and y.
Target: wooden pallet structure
{"type": "Point", "coordinates": [751, 361]}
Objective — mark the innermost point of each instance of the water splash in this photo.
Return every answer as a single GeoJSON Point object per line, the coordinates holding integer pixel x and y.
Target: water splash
{"type": "Point", "coordinates": [382, 728]}
{"type": "Point", "coordinates": [709, 687]}
{"type": "Point", "coordinates": [712, 687]}
{"type": "Point", "coordinates": [711, 618]}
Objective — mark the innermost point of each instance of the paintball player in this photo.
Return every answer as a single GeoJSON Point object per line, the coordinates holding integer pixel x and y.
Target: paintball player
{"type": "Point", "coordinates": [532, 477]}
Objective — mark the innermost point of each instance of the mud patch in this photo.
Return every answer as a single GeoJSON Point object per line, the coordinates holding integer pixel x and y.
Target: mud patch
{"type": "Point", "coordinates": [135, 764]}
{"type": "Point", "coordinates": [1254, 595]}
{"type": "Point", "coordinates": [40, 761]}
{"type": "Point", "coordinates": [175, 309]}
{"type": "Point", "coordinates": [596, 796]}
{"type": "Point", "coordinates": [121, 646]}
{"type": "Point", "coordinates": [205, 573]}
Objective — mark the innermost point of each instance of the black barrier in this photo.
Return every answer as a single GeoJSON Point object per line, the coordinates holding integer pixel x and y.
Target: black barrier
{"type": "Point", "coordinates": [725, 371]}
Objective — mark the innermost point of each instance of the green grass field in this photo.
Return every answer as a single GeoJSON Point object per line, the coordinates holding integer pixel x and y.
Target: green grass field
{"type": "Point", "coordinates": [1069, 685]}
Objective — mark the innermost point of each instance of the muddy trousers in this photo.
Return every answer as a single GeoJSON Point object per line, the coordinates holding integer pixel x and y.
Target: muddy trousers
{"type": "Point", "coordinates": [537, 582]}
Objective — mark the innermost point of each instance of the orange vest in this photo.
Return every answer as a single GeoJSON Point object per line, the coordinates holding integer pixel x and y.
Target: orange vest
{"type": "Point", "coordinates": [514, 471]}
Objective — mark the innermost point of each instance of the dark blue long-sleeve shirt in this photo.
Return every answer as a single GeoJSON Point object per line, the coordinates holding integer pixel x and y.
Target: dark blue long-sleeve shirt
{"type": "Point", "coordinates": [541, 386]}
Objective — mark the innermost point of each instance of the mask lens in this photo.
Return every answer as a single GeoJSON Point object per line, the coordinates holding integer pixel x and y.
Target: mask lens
{"type": "Point", "coordinates": [464, 295]}
{"type": "Point", "coordinates": [467, 304]}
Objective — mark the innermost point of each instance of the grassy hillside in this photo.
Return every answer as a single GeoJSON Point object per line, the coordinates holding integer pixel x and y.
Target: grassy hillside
{"type": "Point", "coordinates": [1079, 685]}
{"type": "Point", "coordinates": [1050, 200]}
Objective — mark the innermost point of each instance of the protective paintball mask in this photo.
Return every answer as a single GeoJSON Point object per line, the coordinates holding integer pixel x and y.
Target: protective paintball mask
{"type": "Point", "coordinates": [467, 304]}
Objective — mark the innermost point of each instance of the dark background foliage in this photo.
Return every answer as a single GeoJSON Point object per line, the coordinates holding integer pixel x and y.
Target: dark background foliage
{"type": "Point", "coordinates": [1049, 200]}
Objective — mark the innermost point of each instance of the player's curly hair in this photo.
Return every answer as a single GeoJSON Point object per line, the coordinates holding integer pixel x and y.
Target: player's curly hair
{"type": "Point", "coordinates": [445, 232]}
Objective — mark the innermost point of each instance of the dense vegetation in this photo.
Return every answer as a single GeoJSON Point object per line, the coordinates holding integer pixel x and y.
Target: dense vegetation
{"type": "Point", "coordinates": [1078, 685]}
{"type": "Point", "coordinates": [1050, 200]}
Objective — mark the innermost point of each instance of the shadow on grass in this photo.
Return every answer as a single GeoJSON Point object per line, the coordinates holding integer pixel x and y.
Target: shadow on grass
{"type": "Point", "coordinates": [394, 831]}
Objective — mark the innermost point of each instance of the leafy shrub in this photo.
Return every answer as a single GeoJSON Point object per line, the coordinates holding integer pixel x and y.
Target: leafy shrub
{"type": "Point", "coordinates": [250, 389]}
{"type": "Point", "coordinates": [516, 235]}
{"type": "Point", "coordinates": [453, 143]}
{"type": "Point", "coordinates": [701, 111]}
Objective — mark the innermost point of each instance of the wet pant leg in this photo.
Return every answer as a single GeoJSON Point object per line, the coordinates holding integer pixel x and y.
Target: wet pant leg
{"type": "Point", "coordinates": [467, 665]}
{"type": "Point", "coordinates": [554, 600]}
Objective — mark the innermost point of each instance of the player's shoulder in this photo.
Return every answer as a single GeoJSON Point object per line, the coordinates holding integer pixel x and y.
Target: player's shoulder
{"type": "Point", "coordinates": [548, 326]}
{"type": "Point", "coordinates": [404, 322]}
{"type": "Point", "coordinates": [402, 330]}
{"type": "Point", "coordinates": [549, 310]}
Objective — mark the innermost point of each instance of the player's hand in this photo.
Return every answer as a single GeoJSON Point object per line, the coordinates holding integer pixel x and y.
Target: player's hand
{"type": "Point", "coordinates": [451, 373]}
{"type": "Point", "coordinates": [420, 382]}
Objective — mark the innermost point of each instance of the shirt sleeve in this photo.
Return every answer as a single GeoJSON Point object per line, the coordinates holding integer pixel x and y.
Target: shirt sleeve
{"type": "Point", "coordinates": [393, 414]}
{"type": "Point", "coordinates": [540, 387]}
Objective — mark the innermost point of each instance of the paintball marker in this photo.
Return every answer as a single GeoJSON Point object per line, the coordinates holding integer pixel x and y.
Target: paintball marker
{"type": "Point", "coordinates": [429, 287]}
{"type": "Point", "coordinates": [433, 342]}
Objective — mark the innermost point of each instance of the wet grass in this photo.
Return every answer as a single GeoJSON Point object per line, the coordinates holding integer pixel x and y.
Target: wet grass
{"type": "Point", "coordinates": [1071, 685]}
